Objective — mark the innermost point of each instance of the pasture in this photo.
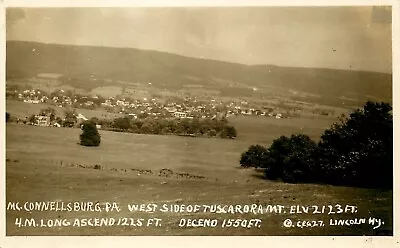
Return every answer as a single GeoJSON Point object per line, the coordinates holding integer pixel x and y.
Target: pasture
{"type": "Point", "coordinates": [47, 164]}
{"type": "Point", "coordinates": [263, 130]}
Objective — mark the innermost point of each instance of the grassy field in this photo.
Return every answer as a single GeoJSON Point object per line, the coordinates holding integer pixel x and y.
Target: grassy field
{"type": "Point", "coordinates": [264, 130]}
{"type": "Point", "coordinates": [47, 164]}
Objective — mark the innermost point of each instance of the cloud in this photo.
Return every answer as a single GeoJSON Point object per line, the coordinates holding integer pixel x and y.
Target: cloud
{"type": "Point", "coordinates": [382, 14]}
{"type": "Point", "coordinates": [291, 36]}
{"type": "Point", "coordinates": [13, 15]}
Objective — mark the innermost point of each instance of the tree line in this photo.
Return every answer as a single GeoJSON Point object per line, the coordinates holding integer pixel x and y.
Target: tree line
{"type": "Point", "coordinates": [191, 127]}
{"type": "Point", "coordinates": [356, 151]}
{"type": "Point", "coordinates": [198, 127]}
{"type": "Point", "coordinates": [91, 137]}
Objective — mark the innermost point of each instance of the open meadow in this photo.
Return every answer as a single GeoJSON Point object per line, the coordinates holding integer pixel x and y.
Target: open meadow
{"type": "Point", "coordinates": [47, 164]}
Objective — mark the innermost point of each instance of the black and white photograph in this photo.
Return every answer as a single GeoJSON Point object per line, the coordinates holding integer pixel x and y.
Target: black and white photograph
{"type": "Point", "coordinates": [199, 121]}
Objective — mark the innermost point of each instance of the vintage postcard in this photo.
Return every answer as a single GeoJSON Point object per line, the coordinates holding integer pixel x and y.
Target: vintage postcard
{"type": "Point", "coordinates": [199, 120]}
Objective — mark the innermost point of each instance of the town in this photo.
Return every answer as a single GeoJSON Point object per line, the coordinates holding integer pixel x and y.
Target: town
{"type": "Point", "coordinates": [178, 108]}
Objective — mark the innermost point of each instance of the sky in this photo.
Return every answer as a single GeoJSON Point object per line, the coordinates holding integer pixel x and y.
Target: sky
{"type": "Point", "coordinates": [353, 38]}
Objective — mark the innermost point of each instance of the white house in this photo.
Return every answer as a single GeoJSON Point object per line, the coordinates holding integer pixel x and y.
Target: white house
{"type": "Point", "coordinates": [180, 114]}
{"type": "Point", "coordinates": [80, 118]}
{"type": "Point", "coordinates": [42, 120]}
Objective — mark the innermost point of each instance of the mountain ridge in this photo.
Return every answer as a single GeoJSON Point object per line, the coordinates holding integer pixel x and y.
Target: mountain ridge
{"type": "Point", "coordinates": [198, 58]}
{"type": "Point", "coordinates": [173, 71]}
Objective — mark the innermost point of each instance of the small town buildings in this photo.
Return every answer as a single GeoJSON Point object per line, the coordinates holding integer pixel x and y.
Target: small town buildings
{"type": "Point", "coordinates": [171, 109]}
{"type": "Point", "coordinates": [32, 101]}
{"type": "Point", "coordinates": [180, 114]}
{"type": "Point", "coordinates": [42, 120]}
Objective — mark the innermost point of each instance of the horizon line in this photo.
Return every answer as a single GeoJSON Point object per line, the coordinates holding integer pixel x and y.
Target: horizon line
{"type": "Point", "coordinates": [200, 58]}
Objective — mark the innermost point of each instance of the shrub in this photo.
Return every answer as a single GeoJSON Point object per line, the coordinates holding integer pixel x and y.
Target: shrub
{"type": "Point", "coordinates": [358, 150]}
{"type": "Point", "coordinates": [32, 119]}
{"type": "Point", "coordinates": [70, 118]}
{"type": "Point", "coordinates": [98, 167]}
{"type": "Point", "coordinates": [255, 156]}
{"type": "Point", "coordinates": [212, 133]}
{"type": "Point", "coordinates": [290, 158]}
{"type": "Point", "coordinates": [122, 123]}
{"type": "Point", "coordinates": [146, 128]}
{"type": "Point", "coordinates": [355, 151]}
{"type": "Point", "coordinates": [228, 132]}
{"type": "Point", "coordinates": [95, 120]}
{"type": "Point", "coordinates": [90, 135]}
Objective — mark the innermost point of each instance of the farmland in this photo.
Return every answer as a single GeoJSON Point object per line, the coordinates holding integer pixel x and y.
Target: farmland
{"type": "Point", "coordinates": [47, 164]}
{"type": "Point", "coordinates": [265, 130]}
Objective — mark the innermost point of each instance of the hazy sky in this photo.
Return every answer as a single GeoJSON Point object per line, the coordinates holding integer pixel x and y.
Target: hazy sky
{"type": "Point", "coordinates": [332, 37]}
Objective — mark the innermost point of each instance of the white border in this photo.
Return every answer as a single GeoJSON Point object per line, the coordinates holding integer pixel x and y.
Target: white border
{"type": "Point", "coordinates": [190, 3]}
{"type": "Point", "coordinates": [196, 241]}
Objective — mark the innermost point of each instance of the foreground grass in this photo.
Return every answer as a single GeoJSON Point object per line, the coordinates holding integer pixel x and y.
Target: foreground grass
{"type": "Point", "coordinates": [39, 169]}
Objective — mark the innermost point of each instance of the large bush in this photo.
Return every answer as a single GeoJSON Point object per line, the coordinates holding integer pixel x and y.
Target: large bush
{"type": "Point", "coordinates": [358, 150]}
{"type": "Point", "coordinates": [290, 158]}
{"type": "Point", "coordinates": [228, 132]}
{"type": "Point", "coordinates": [123, 123]}
{"type": "Point", "coordinates": [255, 156]}
{"type": "Point", "coordinates": [70, 118]}
{"type": "Point", "coordinates": [90, 135]}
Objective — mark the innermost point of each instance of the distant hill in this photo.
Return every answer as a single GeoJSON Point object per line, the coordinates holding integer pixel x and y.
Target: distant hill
{"type": "Point", "coordinates": [80, 65]}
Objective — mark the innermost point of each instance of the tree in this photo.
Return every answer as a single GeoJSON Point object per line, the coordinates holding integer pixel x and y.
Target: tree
{"type": "Point", "coordinates": [184, 126]}
{"type": "Point", "coordinates": [58, 120]}
{"type": "Point", "coordinates": [228, 132]}
{"type": "Point", "coordinates": [143, 115]}
{"type": "Point", "coordinates": [137, 124]}
{"type": "Point", "coordinates": [194, 126]}
{"type": "Point", "coordinates": [298, 163]}
{"type": "Point", "coordinates": [32, 119]}
{"type": "Point", "coordinates": [70, 118]}
{"type": "Point", "coordinates": [146, 128]}
{"type": "Point", "coordinates": [157, 126]}
{"type": "Point", "coordinates": [205, 127]}
{"type": "Point", "coordinates": [7, 117]}
{"type": "Point", "coordinates": [255, 156]}
{"type": "Point", "coordinates": [90, 135]}
{"type": "Point", "coordinates": [278, 151]}
{"type": "Point", "coordinates": [95, 120]}
{"type": "Point", "coordinates": [212, 132]}
{"type": "Point", "coordinates": [358, 150]}
{"type": "Point", "coordinates": [105, 123]}
{"type": "Point", "coordinates": [290, 158]}
{"type": "Point", "coordinates": [122, 123]}
{"type": "Point", "coordinates": [48, 112]}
